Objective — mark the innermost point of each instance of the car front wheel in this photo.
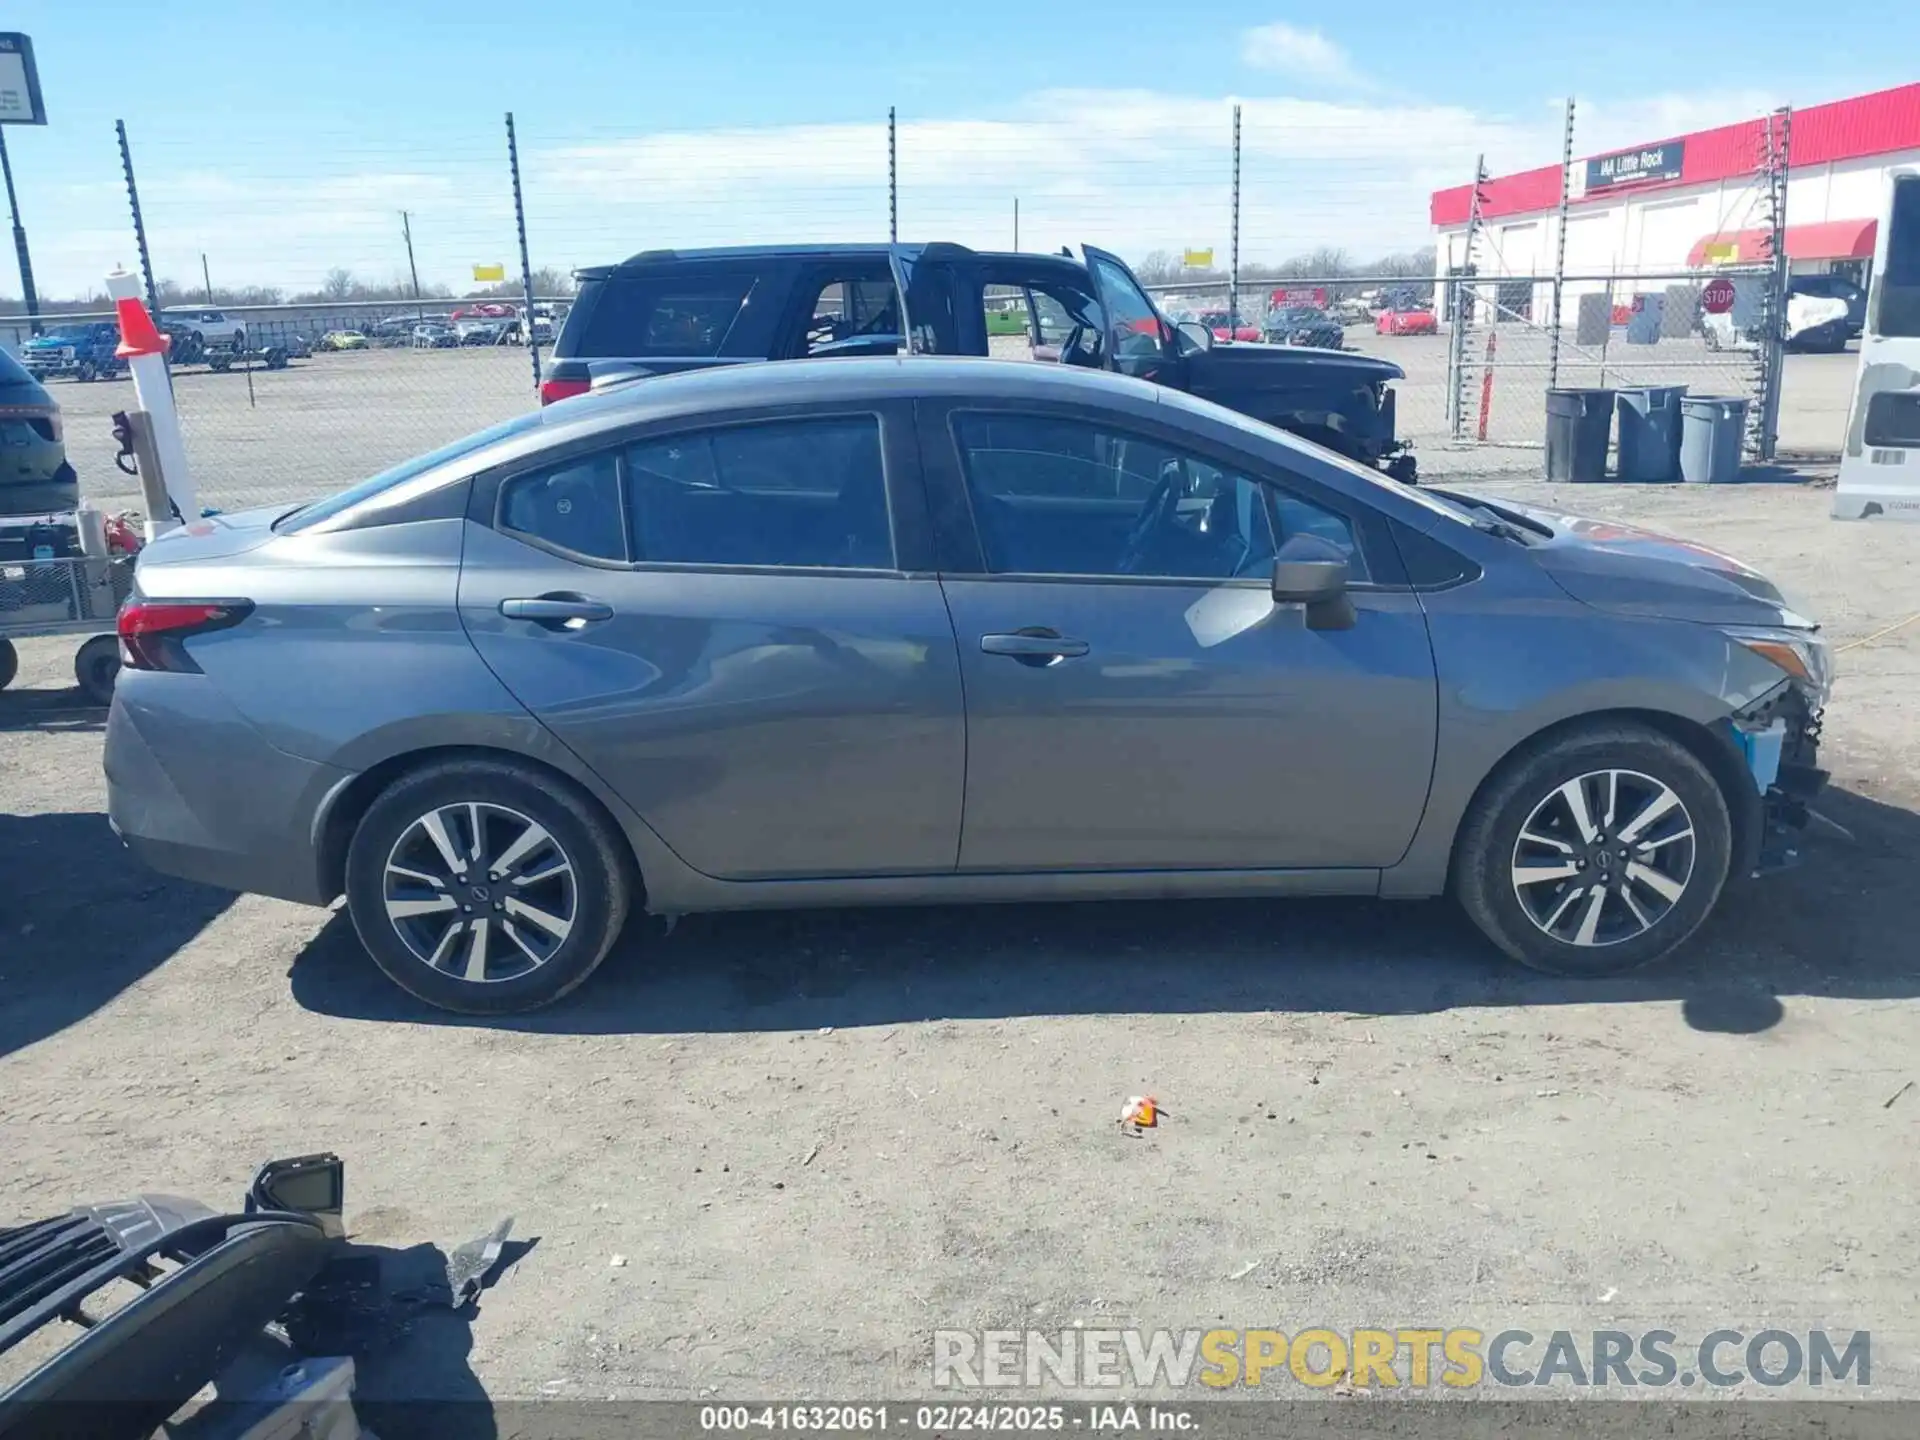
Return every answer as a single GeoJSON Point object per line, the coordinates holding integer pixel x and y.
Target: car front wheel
{"type": "Point", "coordinates": [1597, 852]}
{"type": "Point", "coordinates": [484, 888]}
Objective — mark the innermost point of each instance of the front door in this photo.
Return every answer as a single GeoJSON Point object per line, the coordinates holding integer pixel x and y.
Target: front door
{"type": "Point", "coordinates": [1140, 343]}
{"type": "Point", "coordinates": [1135, 697]}
{"type": "Point", "coordinates": [719, 622]}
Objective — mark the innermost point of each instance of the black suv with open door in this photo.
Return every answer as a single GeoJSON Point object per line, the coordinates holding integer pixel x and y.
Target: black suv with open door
{"type": "Point", "coordinates": [669, 310]}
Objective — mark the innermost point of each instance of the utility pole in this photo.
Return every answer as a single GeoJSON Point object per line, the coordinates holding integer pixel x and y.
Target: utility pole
{"type": "Point", "coordinates": [206, 276]}
{"type": "Point", "coordinates": [893, 179]}
{"type": "Point", "coordinates": [27, 293]}
{"type": "Point", "coordinates": [1016, 222]}
{"type": "Point", "coordinates": [406, 232]}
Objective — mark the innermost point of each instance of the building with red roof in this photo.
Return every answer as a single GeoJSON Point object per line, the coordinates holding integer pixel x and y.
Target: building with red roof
{"type": "Point", "coordinates": [1693, 201]}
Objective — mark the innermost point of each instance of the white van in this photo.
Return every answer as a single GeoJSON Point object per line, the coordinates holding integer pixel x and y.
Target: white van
{"type": "Point", "coordinates": [1880, 460]}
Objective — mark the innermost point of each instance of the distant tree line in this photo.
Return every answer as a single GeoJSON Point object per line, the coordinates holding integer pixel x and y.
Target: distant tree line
{"type": "Point", "coordinates": [1165, 267]}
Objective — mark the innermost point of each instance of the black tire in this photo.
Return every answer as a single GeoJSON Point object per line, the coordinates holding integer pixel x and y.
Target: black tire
{"type": "Point", "coordinates": [597, 890]}
{"type": "Point", "coordinates": [84, 372]}
{"type": "Point", "coordinates": [96, 667]}
{"type": "Point", "coordinates": [9, 663]}
{"type": "Point", "coordinates": [1487, 857]}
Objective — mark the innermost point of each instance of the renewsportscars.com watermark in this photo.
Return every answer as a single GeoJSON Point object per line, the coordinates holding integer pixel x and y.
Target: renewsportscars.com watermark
{"type": "Point", "coordinates": [1396, 1359]}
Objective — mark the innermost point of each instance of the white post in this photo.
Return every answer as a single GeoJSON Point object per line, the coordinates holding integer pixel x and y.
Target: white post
{"type": "Point", "coordinates": [145, 350]}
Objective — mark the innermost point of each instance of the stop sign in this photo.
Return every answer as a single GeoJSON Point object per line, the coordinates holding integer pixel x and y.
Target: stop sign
{"type": "Point", "coordinates": [1717, 297]}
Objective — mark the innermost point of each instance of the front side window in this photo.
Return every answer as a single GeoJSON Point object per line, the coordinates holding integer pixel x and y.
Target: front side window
{"type": "Point", "coordinates": [809, 493]}
{"type": "Point", "coordinates": [573, 506]}
{"type": "Point", "coordinates": [1054, 496]}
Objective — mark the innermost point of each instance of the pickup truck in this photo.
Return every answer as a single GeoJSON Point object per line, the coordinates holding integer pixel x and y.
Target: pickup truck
{"type": "Point", "coordinates": [83, 351]}
{"type": "Point", "coordinates": [668, 310]}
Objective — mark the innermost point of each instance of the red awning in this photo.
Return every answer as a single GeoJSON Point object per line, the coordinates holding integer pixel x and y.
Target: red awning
{"type": "Point", "coordinates": [1830, 240]}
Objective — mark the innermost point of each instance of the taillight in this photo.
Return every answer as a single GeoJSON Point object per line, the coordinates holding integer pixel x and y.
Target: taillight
{"type": "Point", "coordinates": [558, 388]}
{"type": "Point", "coordinates": [153, 632]}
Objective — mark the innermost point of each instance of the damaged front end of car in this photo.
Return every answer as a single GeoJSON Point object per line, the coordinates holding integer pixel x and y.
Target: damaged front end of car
{"type": "Point", "coordinates": [120, 1318]}
{"type": "Point", "coordinates": [1778, 737]}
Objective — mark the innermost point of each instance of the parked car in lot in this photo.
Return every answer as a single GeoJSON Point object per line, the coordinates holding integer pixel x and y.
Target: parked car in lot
{"type": "Point", "coordinates": [1304, 325]}
{"type": "Point", "coordinates": [484, 332]}
{"type": "Point", "coordinates": [665, 310]}
{"type": "Point", "coordinates": [434, 336]}
{"type": "Point", "coordinates": [1226, 327]}
{"type": "Point", "coordinates": [35, 476]}
{"type": "Point", "coordinates": [915, 630]}
{"type": "Point", "coordinates": [343, 340]}
{"type": "Point", "coordinates": [1406, 322]}
{"type": "Point", "coordinates": [81, 352]}
{"type": "Point", "coordinates": [208, 326]}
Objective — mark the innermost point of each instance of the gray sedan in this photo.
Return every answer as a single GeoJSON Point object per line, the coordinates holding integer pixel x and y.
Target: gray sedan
{"type": "Point", "coordinates": [905, 631]}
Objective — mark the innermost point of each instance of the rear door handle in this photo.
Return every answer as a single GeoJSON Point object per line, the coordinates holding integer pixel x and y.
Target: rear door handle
{"type": "Point", "coordinates": [1035, 646]}
{"type": "Point", "coordinates": [557, 612]}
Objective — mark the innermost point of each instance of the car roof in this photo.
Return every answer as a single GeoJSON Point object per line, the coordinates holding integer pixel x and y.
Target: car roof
{"type": "Point", "coordinates": [858, 250]}
{"type": "Point", "coordinates": [800, 382]}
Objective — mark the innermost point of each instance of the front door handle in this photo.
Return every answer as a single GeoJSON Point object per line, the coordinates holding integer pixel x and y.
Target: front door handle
{"type": "Point", "coordinates": [559, 611]}
{"type": "Point", "coordinates": [1036, 645]}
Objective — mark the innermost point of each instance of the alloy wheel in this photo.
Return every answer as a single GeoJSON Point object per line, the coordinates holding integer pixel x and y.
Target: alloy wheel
{"type": "Point", "coordinates": [1603, 858]}
{"type": "Point", "coordinates": [480, 892]}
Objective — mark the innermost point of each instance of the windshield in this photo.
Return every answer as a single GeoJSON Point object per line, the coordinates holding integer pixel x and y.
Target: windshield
{"type": "Point", "coordinates": [308, 516]}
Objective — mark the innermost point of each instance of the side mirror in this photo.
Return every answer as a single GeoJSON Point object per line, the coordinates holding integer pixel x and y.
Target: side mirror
{"type": "Point", "coordinates": [1198, 336]}
{"type": "Point", "coordinates": [313, 1185]}
{"type": "Point", "coordinates": [1321, 586]}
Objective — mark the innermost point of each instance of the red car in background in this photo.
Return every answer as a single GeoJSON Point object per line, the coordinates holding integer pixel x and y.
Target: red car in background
{"type": "Point", "coordinates": [1216, 321]}
{"type": "Point", "coordinates": [1406, 322]}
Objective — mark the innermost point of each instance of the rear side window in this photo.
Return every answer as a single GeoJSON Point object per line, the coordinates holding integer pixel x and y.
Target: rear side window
{"type": "Point", "coordinates": [672, 314]}
{"type": "Point", "coordinates": [809, 493]}
{"type": "Point", "coordinates": [11, 371]}
{"type": "Point", "coordinates": [573, 506]}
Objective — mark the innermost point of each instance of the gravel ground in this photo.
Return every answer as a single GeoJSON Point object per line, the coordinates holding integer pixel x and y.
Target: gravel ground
{"type": "Point", "coordinates": [814, 1138]}
{"type": "Point", "coordinates": [325, 422]}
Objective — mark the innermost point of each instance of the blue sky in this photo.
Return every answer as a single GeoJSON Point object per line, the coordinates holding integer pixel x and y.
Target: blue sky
{"type": "Point", "coordinates": [283, 139]}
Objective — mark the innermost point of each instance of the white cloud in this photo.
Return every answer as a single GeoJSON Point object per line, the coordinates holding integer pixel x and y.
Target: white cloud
{"type": "Point", "coordinates": [1304, 54]}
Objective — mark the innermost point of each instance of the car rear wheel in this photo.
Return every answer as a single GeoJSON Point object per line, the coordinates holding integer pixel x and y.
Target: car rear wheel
{"type": "Point", "coordinates": [9, 663]}
{"type": "Point", "coordinates": [484, 888]}
{"type": "Point", "coordinates": [1597, 852]}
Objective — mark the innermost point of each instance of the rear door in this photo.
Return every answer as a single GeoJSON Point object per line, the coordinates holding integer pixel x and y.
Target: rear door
{"type": "Point", "coordinates": [736, 626]}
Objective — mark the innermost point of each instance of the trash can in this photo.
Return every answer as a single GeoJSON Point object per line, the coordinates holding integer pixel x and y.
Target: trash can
{"type": "Point", "coordinates": [1579, 422]}
{"type": "Point", "coordinates": [1713, 429]}
{"type": "Point", "coordinates": [1650, 433]}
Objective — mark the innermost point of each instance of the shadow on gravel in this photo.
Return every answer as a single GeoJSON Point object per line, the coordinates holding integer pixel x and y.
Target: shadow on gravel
{"type": "Point", "coordinates": [1842, 924]}
{"type": "Point", "coordinates": [80, 921]}
{"type": "Point", "coordinates": [64, 710]}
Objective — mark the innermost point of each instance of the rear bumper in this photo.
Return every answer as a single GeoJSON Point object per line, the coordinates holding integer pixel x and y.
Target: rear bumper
{"type": "Point", "coordinates": [195, 792]}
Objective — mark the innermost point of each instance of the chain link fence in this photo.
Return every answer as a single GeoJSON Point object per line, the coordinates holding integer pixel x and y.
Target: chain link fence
{"type": "Point", "coordinates": [349, 370]}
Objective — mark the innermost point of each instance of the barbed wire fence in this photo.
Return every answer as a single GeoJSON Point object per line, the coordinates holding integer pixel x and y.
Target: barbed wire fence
{"type": "Point", "coordinates": [366, 342]}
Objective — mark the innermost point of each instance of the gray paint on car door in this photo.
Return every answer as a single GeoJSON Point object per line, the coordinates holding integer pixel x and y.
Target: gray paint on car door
{"type": "Point", "coordinates": [1204, 727]}
{"type": "Point", "coordinates": [764, 724]}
